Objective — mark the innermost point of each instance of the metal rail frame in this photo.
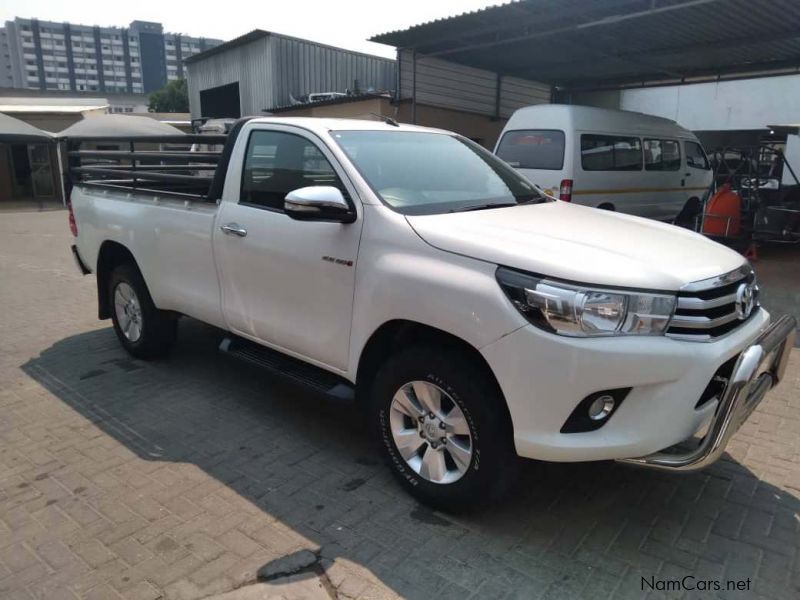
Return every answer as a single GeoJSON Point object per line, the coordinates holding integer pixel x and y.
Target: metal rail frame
{"type": "Point", "coordinates": [145, 170]}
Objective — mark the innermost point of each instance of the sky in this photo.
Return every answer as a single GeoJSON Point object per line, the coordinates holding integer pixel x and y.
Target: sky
{"type": "Point", "coordinates": [343, 23]}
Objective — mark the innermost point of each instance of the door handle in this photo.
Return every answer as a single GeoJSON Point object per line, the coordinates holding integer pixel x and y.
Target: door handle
{"type": "Point", "coordinates": [234, 229]}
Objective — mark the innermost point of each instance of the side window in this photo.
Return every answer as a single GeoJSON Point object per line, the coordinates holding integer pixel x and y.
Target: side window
{"type": "Point", "coordinates": [277, 163]}
{"type": "Point", "coordinates": [610, 153]}
{"type": "Point", "coordinates": [662, 155]}
{"type": "Point", "coordinates": [695, 156]}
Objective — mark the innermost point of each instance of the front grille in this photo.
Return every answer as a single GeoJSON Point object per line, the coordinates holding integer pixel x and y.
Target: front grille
{"type": "Point", "coordinates": [713, 307]}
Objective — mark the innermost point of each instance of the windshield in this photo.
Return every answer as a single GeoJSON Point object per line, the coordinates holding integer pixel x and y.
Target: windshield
{"type": "Point", "coordinates": [421, 173]}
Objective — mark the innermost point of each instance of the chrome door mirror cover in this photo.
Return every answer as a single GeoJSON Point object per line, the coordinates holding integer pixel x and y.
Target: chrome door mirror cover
{"type": "Point", "coordinates": [318, 203]}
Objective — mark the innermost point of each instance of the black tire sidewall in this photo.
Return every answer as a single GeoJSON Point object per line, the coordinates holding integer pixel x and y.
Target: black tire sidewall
{"type": "Point", "coordinates": [478, 400]}
{"type": "Point", "coordinates": [157, 332]}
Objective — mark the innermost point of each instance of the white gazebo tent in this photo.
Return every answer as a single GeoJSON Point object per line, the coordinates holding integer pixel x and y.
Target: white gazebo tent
{"type": "Point", "coordinates": [118, 126]}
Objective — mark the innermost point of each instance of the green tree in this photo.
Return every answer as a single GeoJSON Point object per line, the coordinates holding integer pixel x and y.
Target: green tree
{"type": "Point", "coordinates": [173, 97]}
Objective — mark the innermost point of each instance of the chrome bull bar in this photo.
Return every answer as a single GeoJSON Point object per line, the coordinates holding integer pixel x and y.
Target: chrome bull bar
{"type": "Point", "coordinates": [759, 368]}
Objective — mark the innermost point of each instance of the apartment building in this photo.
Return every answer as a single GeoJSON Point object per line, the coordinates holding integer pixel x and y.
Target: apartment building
{"type": "Point", "coordinates": [137, 59]}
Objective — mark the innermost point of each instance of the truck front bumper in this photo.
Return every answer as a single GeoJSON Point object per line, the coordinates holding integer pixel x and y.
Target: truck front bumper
{"type": "Point", "coordinates": [760, 367]}
{"type": "Point", "coordinates": [544, 377]}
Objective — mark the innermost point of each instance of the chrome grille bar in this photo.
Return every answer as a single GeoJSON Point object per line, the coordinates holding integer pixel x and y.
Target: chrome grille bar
{"type": "Point", "coordinates": [713, 307]}
{"type": "Point", "coordinates": [702, 322]}
{"type": "Point", "coordinates": [693, 303]}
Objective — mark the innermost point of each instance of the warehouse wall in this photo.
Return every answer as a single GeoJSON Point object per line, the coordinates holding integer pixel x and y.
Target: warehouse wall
{"type": "Point", "coordinates": [449, 85]}
{"type": "Point", "coordinates": [273, 69]}
{"type": "Point", "coordinates": [302, 67]}
{"type": "Point", "coordinates": [357, 109]}
{"type": "Point", "coordinates": [250, 65]}
{"type": "Point", "coordinates": [480, 128]}
{"type": "Point", "coordinates": [723, 105]}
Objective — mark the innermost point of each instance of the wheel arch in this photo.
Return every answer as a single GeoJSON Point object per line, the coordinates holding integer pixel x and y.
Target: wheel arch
{"type": "Point", "coordinates": [396, 334]}
{"type": "Point", "coordinates": [111, 255]}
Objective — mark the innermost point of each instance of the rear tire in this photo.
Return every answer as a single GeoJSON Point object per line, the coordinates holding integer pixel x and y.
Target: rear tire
{"type": "Point", "coordinates": [687, 218]}
{"type": "Point", "coordinates": [607, 206]}
{"type": "Point", "coordinates": [142, 329]}
{"type": "Point", "coordinates": [463, 455]}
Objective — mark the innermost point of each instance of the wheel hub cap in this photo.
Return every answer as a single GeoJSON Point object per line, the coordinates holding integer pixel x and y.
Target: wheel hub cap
{"type": "Point", "coordinates": [128, 311]}
{"type": "Point", "coordinates": [431, 432]}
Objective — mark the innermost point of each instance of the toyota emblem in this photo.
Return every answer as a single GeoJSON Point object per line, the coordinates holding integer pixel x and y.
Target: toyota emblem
{"type": "Point", "coordinates": [745, 300]}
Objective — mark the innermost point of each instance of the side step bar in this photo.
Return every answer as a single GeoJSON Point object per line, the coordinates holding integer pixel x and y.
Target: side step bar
{"type": "Point", "coordinates": [289, 368]}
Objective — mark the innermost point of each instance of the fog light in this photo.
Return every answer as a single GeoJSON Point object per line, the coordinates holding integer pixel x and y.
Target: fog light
{"type": "Point", "coordinates": [601, 407]}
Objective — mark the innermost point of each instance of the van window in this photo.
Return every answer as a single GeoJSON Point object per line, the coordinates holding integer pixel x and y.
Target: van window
{"type": "Point", "coordinates": [695, 156]}
{"type": "Point", "coordinates": [533, 149]}
{"type": "Point", "coordinates": [600, 152]}
{"type": "Point", "coordinates": [662, 155]}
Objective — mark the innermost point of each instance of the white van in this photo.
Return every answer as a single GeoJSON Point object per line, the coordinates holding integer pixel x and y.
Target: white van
{"type": "Point", "coordinates": [612, 159]}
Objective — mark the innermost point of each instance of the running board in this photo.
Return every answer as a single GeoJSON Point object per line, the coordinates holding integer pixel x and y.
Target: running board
{"type": "Point", "coordinates": [289, 368]}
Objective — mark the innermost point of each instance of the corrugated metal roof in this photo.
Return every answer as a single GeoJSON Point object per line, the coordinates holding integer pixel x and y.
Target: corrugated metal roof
{"type": "Point", "coordinates": [251, 36]}
{"type": "Point", "coordinates": [586, 43]}
{"type": "Point", "coordinates": [257, 34]}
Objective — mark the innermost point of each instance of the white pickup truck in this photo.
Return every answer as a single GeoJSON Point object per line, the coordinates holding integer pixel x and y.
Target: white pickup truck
{"type": "Point", "coordinates": [474, 318]}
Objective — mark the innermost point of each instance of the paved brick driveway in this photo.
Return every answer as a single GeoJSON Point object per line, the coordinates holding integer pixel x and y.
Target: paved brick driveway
{"type": "Point", "coordinates": [180, 479]}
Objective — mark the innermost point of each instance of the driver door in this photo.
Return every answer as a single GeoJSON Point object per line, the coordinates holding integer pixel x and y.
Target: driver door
{"type": "Point", "coordinates": [286, 283]}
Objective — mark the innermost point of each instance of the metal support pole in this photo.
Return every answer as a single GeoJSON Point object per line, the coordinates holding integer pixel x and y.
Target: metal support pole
{"type": "Point", "coordinates": [497, 92]}
{"type": "Point", "coordinates": [414, 87]}
{"type": "Point", "coordinates": [61, 173]}
{"type": "Point", "coordinates": [133, 163]}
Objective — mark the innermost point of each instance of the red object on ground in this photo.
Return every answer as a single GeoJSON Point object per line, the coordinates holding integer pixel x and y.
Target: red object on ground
{"type": "Point", "coordinates": [723, 215]}
{"type": "Point", "coordinates": [751, 253]}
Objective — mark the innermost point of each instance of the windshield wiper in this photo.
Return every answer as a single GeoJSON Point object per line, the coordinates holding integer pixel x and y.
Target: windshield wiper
{"type": "Point", "coordinates": [472, 207]}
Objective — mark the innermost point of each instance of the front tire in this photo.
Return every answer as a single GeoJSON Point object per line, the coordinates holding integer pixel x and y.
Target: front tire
{"type": "Point", "coordinates": [142, 329]}
{"type": "Point", "coordinates": [442, 426]}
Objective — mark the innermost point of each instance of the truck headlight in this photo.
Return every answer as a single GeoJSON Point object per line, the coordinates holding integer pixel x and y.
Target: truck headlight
{"type": "Point", "coordinates": [582, 311]}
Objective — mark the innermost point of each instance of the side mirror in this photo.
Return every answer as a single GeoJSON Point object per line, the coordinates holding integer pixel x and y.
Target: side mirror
{"type": "Point", "coordinates": [318, 203]}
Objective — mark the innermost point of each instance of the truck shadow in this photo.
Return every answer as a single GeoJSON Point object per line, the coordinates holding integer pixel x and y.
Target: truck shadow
{"type": "Point", "coordinates": [568, 530]}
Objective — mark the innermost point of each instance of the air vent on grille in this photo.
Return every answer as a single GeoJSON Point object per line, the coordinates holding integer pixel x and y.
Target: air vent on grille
{"type": "Point", "coordinates": [707, 310]}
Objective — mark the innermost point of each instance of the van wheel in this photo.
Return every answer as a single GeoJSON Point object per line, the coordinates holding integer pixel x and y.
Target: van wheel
{"type": "Point", "coordinates": [688, 216]}
{"type": "Point", "coordinates": [606, 206]}
{"type": "Point", "coordinates": [442, 429]}
{"type": "Point", "coordinates": [142, 329]}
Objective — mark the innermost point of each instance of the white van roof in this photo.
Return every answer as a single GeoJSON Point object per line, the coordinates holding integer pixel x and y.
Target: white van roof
{"type": "Point", "coordinates": [591, 118]}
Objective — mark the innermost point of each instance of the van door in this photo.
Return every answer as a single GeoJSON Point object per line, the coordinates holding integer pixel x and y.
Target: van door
{"type": "Point", "coordinates": [609, 173]}
{"type": "Point", "coordinates": [663, 178]}
{"type": "Point", "coordinates": [697, 173]}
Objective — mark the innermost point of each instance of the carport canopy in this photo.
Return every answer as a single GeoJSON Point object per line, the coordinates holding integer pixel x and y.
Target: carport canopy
{"type": "Point", "coordinates": [14, 131]}
{"type": "Point", "coordinates": [588, 44]}
{"type": "Point", "coordinates": [119, 126]}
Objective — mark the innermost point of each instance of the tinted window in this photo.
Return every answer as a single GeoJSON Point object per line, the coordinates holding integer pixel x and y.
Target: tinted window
{"type": "Point", "coordinates": [427, 173]}
{"type": "Point", "coordinates": [662, 155]}
{"type": "Point", "coordinates": [277, 163]}
{"type": "Point", "coordinates": [695, 156]}
{"type": "Point", "coordinates": [610, 153]}
{"type": "Point", "coordinates": [533, 149]}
